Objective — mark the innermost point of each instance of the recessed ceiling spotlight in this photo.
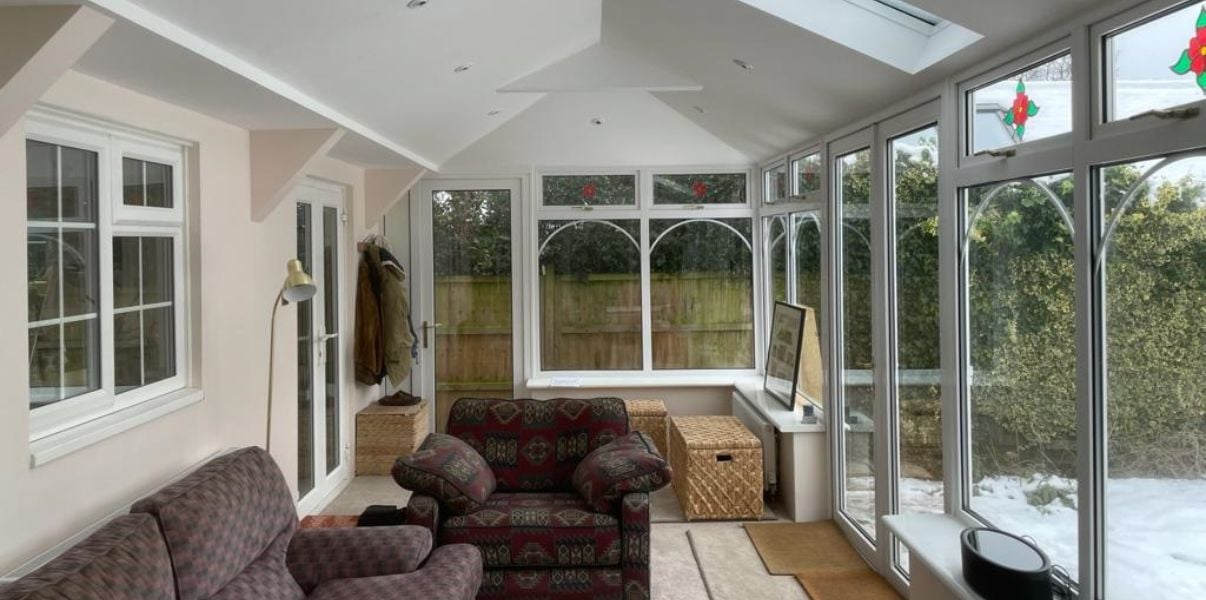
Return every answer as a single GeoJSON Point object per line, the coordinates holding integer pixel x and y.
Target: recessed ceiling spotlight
{"type": "Point", "coordinates": [743, 64]}
{"type": "Point", "coordinates": [699, 109]}
{"type": "Point", "coordinates": [596, 121]}
{"type": "Point", "coordinates": [462, 68]}
{"type": "Point", "coordinates": [495, 112]}
{"type": "Point", "coordinates": [416, 3]}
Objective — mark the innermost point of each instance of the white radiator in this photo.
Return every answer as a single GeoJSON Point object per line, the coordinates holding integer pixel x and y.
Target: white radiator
{"type": "Point", "coordinates": [765, 431]}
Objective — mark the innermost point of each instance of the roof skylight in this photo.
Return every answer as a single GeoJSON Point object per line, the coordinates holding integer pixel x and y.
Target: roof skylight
{"type": "Point", "coordinates": [891, 31]}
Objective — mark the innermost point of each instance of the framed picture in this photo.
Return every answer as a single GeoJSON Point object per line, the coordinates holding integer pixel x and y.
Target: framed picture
{"type": "Point", "coordinates": [783, 353]}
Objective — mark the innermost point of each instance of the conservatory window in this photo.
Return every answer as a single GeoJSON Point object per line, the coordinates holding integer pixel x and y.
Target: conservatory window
{"type": "Point", "coordinates": [699, 189]}
{"type": "Point", "coordinates": [701, 278]}
{"type": "Point", "coordinates": [1025, 106]}
{"type": "Point", "coordinates": [1020, 360]}
{"type": "Point", "coordinates": [1150, 66]}
{"type": "Point", "coordinates": [1153, 243]}
{"type": "Point", "coordinates": [806, 172]}
{"type": "Point", "coordinates": [590, 295]}
{"type": "Point", "coordinates": [589, 190]}
{"type": "Point", "coordinates": [774, 184]}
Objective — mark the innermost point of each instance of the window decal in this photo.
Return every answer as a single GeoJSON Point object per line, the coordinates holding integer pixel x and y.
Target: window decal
{"type": "Point", "coordinates": [700, 189]}
{"type": "Point", "coordinates": [1023, 109]}
{"type": "Point", "coordinates": [589, 191]}
{"type": "Point", "coordinates": [1193, 60]}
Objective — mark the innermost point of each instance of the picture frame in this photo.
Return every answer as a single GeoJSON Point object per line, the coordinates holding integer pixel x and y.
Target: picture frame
{"type": "Point", "coordinates": [783, 353]}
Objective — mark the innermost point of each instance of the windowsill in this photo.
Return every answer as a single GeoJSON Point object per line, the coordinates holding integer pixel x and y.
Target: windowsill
{"type": "Point", "coordinates": [60, 444]}
{"type": "Point", "coordinates": [618, 380]}
{"type": "Point", "coordinates": [934, 541]}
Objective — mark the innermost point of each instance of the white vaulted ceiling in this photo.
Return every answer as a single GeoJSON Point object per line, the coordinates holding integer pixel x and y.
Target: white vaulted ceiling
{"type": "Point", "coordinates": [386, 72]}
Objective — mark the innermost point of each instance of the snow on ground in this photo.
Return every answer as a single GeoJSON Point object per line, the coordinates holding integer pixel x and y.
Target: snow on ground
{"type": "Point", "coordinates": [1156, 527]}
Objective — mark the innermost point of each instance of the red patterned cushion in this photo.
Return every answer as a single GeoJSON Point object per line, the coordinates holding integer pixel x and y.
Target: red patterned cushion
{"type": "Point", "coordinates": [537, 530]}
{"type": "Point", "coordinates": [448, 470]}
{"type": "Point", "coordinates": [629, 464]}
{"type": "Point", "coordinates": [534, 445]}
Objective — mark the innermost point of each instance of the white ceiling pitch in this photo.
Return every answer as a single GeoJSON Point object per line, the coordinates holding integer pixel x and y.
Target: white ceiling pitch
{"type": "Point", "coordinates": [603, 68]}
{"type": "Point", "coordinates": [875, 28]}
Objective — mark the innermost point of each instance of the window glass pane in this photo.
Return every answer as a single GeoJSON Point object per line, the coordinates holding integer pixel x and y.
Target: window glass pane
{"type": "Point", "coordinates": [914, 188]}
{"type": "Point", "coordinates": [42, 181]}
{"type": "Point", "coordinates": [776, 237]}
{"type": "Point", "coordinates": [717, 188]}
{"type": "Point", "coordinates": [590, 295]}
{"type": "Point", "coordinates": [330, 300]}
{"type": "Point", "coordinates": [126, 264]}
{"type": "Point", "coordinates": [1027, 106]}
{"type": "Point", "coordinates": [1021, 364]}
{"type": "Point", "coordinates": [158, 344]}
{"type": "Point", "coordinates": [81, 351]}
{"type": "Point", "coordinates": [808, 174]}
{"type": "Point", "coordinates": [1139, 60]}
{"type": "Point", "coordinates": [80, 272]}
{"type": "Point", "coordinates": [854, 177]}
{"type": "Point", "coordinates": [589, 190]}
{"type": "Point", "coordinates": [158, 281]}
{"type": "Point", "coordinates": [133, 190]}
{"type": "Point", "coordinates": [702, 293]}
{"type": "Point", "coordinates": [79, 185]}
{"type": "Point", "coordinates": [127, 351]}
{"type": "Point", "coordinates": [306, 358]}
{"type": "Point", "coordinates": [808, 261]}
{"type": "Point", "coordinates": [1155, 300]}
{"type": "Point", "coordinates": [159, 185]}
{"type": "Point", "coordinates": [45, 356]}
{"type": "Point", "coordinates": [775, 184]}
{"type": "Point", "coordinates": [42, 273]}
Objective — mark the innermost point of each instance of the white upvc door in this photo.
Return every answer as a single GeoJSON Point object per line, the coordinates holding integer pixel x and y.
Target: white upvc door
{"type": "Point", "coordinates": [468, 303]}
{"type": "Point", "coordinates": [322, 343]}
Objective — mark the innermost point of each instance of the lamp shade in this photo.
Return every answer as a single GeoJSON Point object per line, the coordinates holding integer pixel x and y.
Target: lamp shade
{"type": "Point", "coordinates": [298, 286]}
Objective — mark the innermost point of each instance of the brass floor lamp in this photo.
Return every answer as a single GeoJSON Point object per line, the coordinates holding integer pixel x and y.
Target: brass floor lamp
{"type": "Point", "coordinates": [297, 287]}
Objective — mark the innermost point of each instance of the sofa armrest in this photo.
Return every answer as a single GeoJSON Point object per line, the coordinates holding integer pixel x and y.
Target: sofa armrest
{"type": "Point", "coordinates": [634, 529]}
{"type": "Point", "coordinates": [424, 511]}
{"type": "Point", "coordinates": [318, 555]}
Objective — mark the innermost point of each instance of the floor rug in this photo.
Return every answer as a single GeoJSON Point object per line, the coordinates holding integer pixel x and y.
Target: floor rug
{"type": "Point", "coordinates": [731, 568]}
{"type": "Point", "coordinates": [790, 548]}
{"type": "Point", "coordinates": [328, 521]}
{"type": "Point", "coordinates": [846, 584]}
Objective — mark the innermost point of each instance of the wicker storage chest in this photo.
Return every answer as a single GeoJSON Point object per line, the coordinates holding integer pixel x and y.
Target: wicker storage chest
{"type": "Point", "coordinates": [383, 433]}
{"type": "Point", "coordinates": [717, 468]}
{"type": "Point", "coordinates": [649, 417]}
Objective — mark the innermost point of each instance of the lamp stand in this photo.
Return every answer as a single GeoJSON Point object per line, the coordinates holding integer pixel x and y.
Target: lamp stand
{"type": "Point", "coordinates": [271, 360]}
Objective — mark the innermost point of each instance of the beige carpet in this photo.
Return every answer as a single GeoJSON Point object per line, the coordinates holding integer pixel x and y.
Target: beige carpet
{"type": "Point", "coordinates": [731, 568]}
{"type": "Point", "coordinates": [790, 548]}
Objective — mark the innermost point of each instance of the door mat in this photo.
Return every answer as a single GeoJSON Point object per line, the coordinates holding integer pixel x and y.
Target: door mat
{"type": "Point", "coordinates": [790, 548]}
{"type": "Point", "coordinates": [846, 584]}
{"type": "Point", "coordinates": [328, 521]}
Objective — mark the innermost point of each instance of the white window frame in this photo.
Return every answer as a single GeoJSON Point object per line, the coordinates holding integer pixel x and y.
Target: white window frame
{"type": "Point", "coordinates": [70, 424]}
{"type": "Point", "coordinates": [644, 212]}
{"type": "Point", "coordinates": [637, 200]}
{"type": "Point", "coordinates": [711, 170]}
{"type": "Point", "coordinates": [767, 200]}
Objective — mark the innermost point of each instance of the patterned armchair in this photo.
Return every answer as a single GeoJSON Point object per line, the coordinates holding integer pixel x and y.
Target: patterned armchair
{"type": "Point", "coordinates": [539, 538]}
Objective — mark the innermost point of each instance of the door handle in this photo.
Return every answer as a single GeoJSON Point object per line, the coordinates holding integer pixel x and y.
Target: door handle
{"type": "Point", "coordinates": [322, 339]}
{"type": "Point", "coordinates": [428, 327]}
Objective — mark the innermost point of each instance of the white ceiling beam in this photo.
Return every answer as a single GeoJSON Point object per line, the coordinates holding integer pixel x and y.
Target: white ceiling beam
{"type": "Point", "coordinates": [603, 68]}
{"type": "Point", "coordinates": [279, 160]}
{"type": "Point", "coordinates": [383, 188]}
{"type": "Point", "coordinates": [37, 45]}
{"type": "Point", "coordinates": [162, 27]}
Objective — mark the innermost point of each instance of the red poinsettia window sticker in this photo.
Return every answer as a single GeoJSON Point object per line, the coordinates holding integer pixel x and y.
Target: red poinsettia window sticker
{"type": "Point", "coordinates": [589, 191]}
{"type": "Point", "coordinates": [1023, 108]}
{"type": "Point", "coordinates": [1193, 59]}
{"type": "Point", "coordinates": [700, 189]}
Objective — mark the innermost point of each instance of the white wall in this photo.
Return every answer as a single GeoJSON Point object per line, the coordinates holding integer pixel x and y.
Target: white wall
{"type": "Point", "coordinates": [241, 266]}
{"type": "Point", "coordinates": [638, 129]}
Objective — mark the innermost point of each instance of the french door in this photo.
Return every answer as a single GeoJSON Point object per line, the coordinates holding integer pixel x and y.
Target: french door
{"type": "Point", "coordinates": [887, 388]}
{"type": "Point", "coordinates": [470, 294]}
{"type": "Point", "coordinates": [321, 457]}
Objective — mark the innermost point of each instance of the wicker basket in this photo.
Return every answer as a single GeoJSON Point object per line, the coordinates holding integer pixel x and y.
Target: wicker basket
{"type": "Point", "coordinates": [383, 433]}
{"type": "Point", "coordinates": [717, 468]}
{"type": "Point", "coordinates": [649, 416]}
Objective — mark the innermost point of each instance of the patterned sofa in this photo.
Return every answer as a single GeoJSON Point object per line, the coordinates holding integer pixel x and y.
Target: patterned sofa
{"type": "Point", "coordinates": [538, 537]}
{"type": "Point", "coordinates": [229, 531]}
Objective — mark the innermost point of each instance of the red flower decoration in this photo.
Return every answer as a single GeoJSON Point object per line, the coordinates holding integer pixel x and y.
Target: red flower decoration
{"type": "Point", "coordinates": [589, 191]}
{"type": "Point", "coordinates": [1023, 108]}
{"type": "Point", "coordinates": [700, 188]}
{"type": "Point", "coordinates": [1193, 60]}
